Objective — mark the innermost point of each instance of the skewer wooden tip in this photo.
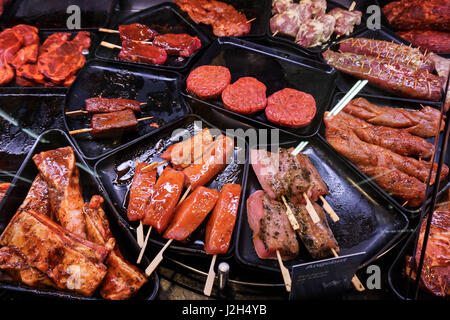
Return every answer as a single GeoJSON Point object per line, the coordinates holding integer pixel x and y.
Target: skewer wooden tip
{"type": "Point", "coordinates": [108, 30]}
{"type": "Point", "coordinates": [285, 273]}
{"type": "Point", "coordinates": [76, 112]}
{"type": "Point", "coordinates": [185, 194]}
{"type": "Point", "coordinates": [153, 166]}
{"type": "Point", "coordinates": [275, 33]}
{"type": "Point", "coordinates": [328, 209]}
{"type": "Point", "coordinates": [110, 45]}
{"type": "Point", "coordinates": [352, 6]}
{"type": "Point", "coordinates": [80, 131]}
{"type": "Point", "coordinates": [355, 281]}
{"type": "Point", "coordinates": [253, 19]}
{"type": "Point", "coordinates": [290, 215]}
{"type": "Point", "coordinates": [211, 276]}
{"type": "Point", "coordinates": [157, 260]}
{"type": "Point", "coordinates": [310, 208]}
{"type": "Point", "coordinates": [140, 234]}
{"type": "Point", "coordinates": [145, 118]}
{"type": "Point", "coordinates": [144, 246]}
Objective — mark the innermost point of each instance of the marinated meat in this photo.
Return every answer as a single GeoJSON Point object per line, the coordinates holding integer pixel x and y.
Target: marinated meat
{"type": "Point", "coordinates": [141, 192]}
{"type": "Point", "coordinates": [37, 198]}
{"type": "Point", "coordinates": [429, 40]}
{"type": "Point", "coordinates": [345, 20]}
{"type": "Point", "coordinates": [136, 32]}
{"type": "Point", "coordinates": [10, 43]}
{"type": "Point", "coordinates": [316, 31]}
{"type": "Point", "coordinates": [31, 73]}
{"type": "Point", "coordinates": [113, 124]}
{"type": "Point", "coordinates": [271, 229]}
{"type": "Point", "coordinates": [104, 105]}
{"type": "Point", "coordinates": [58, 169]}
{"type": "Point", "coordinates": [29, 34]}
{"type": "Point", "coordinates": [142, 52]}
{"type": "Point", "coordinates": [180, 44]}
{"type": "Point", "coordinates": [54, 41]}
{"type": "Point", "coordinates": [3, 189]}
{"type": "Point", "coordinates": [28, 54]}
{"type": "Point", "coordinates": [6, 71]}
{"type": "Point", "coordinates": [279, 6]}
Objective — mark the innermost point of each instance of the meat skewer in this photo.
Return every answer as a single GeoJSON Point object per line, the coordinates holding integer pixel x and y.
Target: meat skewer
{"type": "Point", "coordinates": [112, 124]}
{"type": "Point", "coordinates": [138, 52]}
{"type": "Point", "coordinates": [220, 228]}
{"type": "Point", "coordinates": [105, 105]}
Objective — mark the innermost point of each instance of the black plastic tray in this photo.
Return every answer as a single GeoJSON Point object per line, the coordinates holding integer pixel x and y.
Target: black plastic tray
{"type": "Point", "coordinates": [14, 197]}
{"type": "Point", "coordinates": [277, 70]}
{"type": "Point", "coordinates": [363, 226]}
{"type": "Point", "coordinates": [395, 103]}
{"type": "Point", "coordinates": [43, 35]}
{"type": "Point", "coordinates": [52, 15]}
{"type": "Point", "coordinates": [259, 9]}
{"type": "Point", "coordinates": [116, 173]}
{"type": "Point", "coordinates": [360, 6]}
{"type": "Point", "coordinates": [160, 88]}
{"type": "Point", "coordinates": [385, 22]}
{"type": "Point", "coordinates": [164, 18]}
{"type": "Point", "coordinates": [345, 82]}
{"type": "Point", "coordinates": [398, 280]}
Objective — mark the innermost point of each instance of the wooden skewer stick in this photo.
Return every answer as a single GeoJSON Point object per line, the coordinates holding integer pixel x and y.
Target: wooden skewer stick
{"type": "Point", "coordinates": [328, 209]}
{"type": "Point", "coordinates": [140, 234]}
{"type": "Point", "coordinates": [110, 45]}
{"type": "Point", "coordinates": [157, 260]}
{"type": "Point", "coordinates": [90, 129]}
{"type": "Point", "coordinates": [77, 112]}
{"type": "Point", "coordinates": [144, 246]}
{"type": "Point", "coordinates": [285, 273]}
{"type": "Point", "coordinates": [185, 194]}
{"type": "Point", "coordinates": [253, 19]}
{"type": "Point", "coordinates": [310, 208]}
{"type": "Point", "coordinates": [275, 33]}
{"type": "Point", "coordinates": [108, 30]}
{"type": "Point", "coordinates": [355, 281]}
{"type": "Point", "coordinates": [211, 276]}
{"type": "Point", "coordinates": [290, 215]}
{"type": "Point", "coordinates": [153, 166]}
{"type": "Point", "coordinates": [352, 6]}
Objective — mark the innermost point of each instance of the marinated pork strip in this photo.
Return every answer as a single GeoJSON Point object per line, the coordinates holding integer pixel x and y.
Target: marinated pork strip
{"type": "Point", "coordinates": [142, 52]}
{"type": "Point", "coordinates": [221, 221]}
{"type": "Point", "coordinates": [191, 213]}
{"type": "Point", "coordinates": [123, 279]}
{"type": "Point", "coordinates": [317, 237]}
{"type": "Point", "coordinates": [167, 192]}
{"type": "Point", "coordinates": [423, 123]}
{"type": "Point", "coordinates": [376, 156]}
{"type": "Point", "coordinates": [28, 54]}
{"type": "Point", "coordinates": [271, 229]}
{"type": "Point", "coordinates": [141, 191]}
{"type": "Point", "coordinates": [113, 124]}
{"type": "Point", "coordinates": [180, 44]}
{"type": "Point", "coordinates": [185, 153]}
{"type": "Point", "coordinates": [10, 43]}
{"type": "Point", "coordinates": [29, 34]}
{"type": "Point", "coordinates": [18, 269]}
{"type": "Point", "coordinates": [398, 140]}
{"type": "Point", "coordinates": [136, 32]}
{"type": "Point", "coordinates": [214, 160]}
{"type": "Point", "coordinates": [104, 105]}
{"type": "Point", "coordinates": [37, 198]}
{"type": "Point", "coordinates": [52, 250]}
{"type": "Point", "coordinates": [59, 171]}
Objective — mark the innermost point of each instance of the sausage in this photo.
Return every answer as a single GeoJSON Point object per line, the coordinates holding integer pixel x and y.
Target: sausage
{"type": "Point", "coordinates": [184, 153]}
{"type": "Point", "coordinates": [212, 163]}
{"type": "Point", "coordinates": [191, 212]}
{"type": "Point", "coordinates": [291, 108]}
{"type": "Point", "coordinates": [141, 190]}
{"type": "Point", "coordinates": [103, 105]}
{"type": "Point", "coordinates": [388, 76]}
{"type": "Point", "coordinates": [208, 81]}
{"type": "Point", "coordinates": [435, 41]}
{"type": "Point", "coordinates": [393, 52]}
{"type": "Point", "coordinates": [166, 194]}
{"type": "Point", "coordinates": [221, 222]}
{"type": "Point", "coordinates": [246, 96]}
{"type": "Point", "coordinates": [113, 124]}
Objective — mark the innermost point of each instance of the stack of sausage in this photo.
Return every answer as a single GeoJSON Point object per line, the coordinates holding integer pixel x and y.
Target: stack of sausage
{"type": "Point", "coordinates": [143, 44]}
{"type": "Point", "coordinates": [283, 174]}
{"type": "Point", "coordinates": [224, 18]}
{"type": "Point", "coordinates": [384, 142]}
{"type": "Point", "coordinates": [308, 22]}
{"type": "Point", "coordinates": [424, 23]}
{"type": "Point", "coordinates": [194, 163]}
{"type": "Point", "coordinates": [287, 107]}
{"type": "Point", "coordinates": [57, 240]}
{"type": "Point", "coordinates": [395, 68]}
{"type": "Point", "coordinates": [54, 63]}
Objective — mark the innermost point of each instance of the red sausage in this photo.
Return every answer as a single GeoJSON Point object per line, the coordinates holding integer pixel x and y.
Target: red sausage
{"type": "Point", "coordinates": [191, 212]}
{"type": "Point", "coordinates": [167, 192]}
{"type": "Point", "coordinates": [140, 192]}
{"type": "Point", "coordinates": [246, 96]}
{"type": "Point", "coordinates": [208, 81]}
{"type": "Point", "coordinates": [221, 222]}
{"type": "Point", "coordinates": [214, 161]}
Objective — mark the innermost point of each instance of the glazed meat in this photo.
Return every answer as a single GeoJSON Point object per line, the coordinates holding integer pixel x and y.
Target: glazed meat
{"type": "Point", "coordinates": [104, 105]}
{"type": "Point", "coordinates": [28, 54]}
{"type": "Point", "coordinates": [113, 124]}
{"type": "Point", "coordinates": [123, 279]}
{"type": "Point", "coordinates": [271, 229]}
{"type": "Point", "coordinates": [10, 43]}
{"type": "Point", "coordinates": [430, 40]}
{"type": "Point", "coordinates": [6, 71]}
{"type": "Point", "coordinates": [142, 52]}
{"type": "Point", "coordinates": [141, 191]}
{"type": "Point", "coordinates": [37, 198]}
{"type": "Point", "coordinates": [136, 32]}
{"type": "Point", "coordinates": [59, 171]}
{"type": "Point", "coordinates": [180, 44]}
{"type": "Point", "coordinates": [423, 123]}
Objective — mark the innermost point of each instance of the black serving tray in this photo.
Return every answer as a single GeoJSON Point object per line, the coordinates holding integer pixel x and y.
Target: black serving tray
{"type": "Point", "coordinates": [116, 173]}
{"type": "Point", "coordinates": [364, 226]}
{"type": "Point", "coordinates": [277, 70]}
{"type": "Point", "coordinates": [52, 15]}
{"type": "Point", "coordinates": [345, 82]}
{"type": "Point", "coordinates": [394, 103]}
{"type": "Point", "coordinates": [49, 140]}
{"type": "Point", "coordinates": [290, 41]}
{"type": "Point", "coordinates": [398, 279]}
{"type": "Point", "coordinates": [164, 18]}
{"type": "Point", "coordinates": [43, 35]}
{"type": "Point", "coordinates": [160, 88]}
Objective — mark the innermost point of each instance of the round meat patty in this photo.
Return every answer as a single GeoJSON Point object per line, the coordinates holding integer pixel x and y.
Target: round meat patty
{"type": "Point", "coordinates": [246, 96]}
{"type": "Point", "coordinates": [291, 108]}
{"type": "Point", "coordinates": [208, 81]}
